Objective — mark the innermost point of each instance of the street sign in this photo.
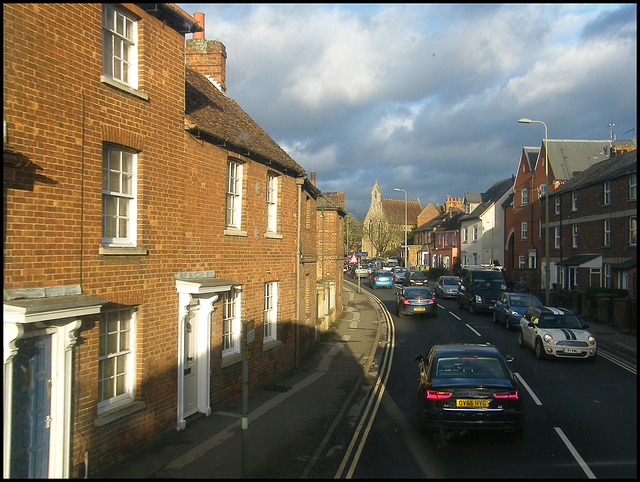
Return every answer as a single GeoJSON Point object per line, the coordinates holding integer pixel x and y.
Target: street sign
{"type": "Point", "coordinates": [361, 254]}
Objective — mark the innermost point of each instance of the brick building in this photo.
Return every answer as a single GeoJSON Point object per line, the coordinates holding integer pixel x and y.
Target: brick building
{"type": "Point", "coordinates": [147, 217]}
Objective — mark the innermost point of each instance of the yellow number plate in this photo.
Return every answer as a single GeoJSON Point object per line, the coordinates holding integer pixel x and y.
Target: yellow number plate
{"type": "Point", "coordinates": [464, 403]}
{"type": "Point", "coordinates": [419, 309]}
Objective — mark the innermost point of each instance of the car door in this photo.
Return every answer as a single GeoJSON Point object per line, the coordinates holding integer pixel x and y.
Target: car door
{"type": "Point", "coordinates": [502, 307]}
{"type": "Point", "coordinates": [529, 332]}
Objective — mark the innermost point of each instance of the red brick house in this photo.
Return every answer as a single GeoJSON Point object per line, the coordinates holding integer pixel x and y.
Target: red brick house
{"type": "Point", "coordinates": [147, 218]}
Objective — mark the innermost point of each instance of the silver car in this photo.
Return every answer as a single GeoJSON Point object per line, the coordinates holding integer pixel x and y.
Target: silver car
{"type": "Point", "coordinates": [447, 287]}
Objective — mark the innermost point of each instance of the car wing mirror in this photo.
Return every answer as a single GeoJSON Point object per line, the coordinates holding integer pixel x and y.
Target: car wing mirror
{"type": "Point", "coordinates": [419, 358]}
{"type": "Point", "coordinates": [508, 358]}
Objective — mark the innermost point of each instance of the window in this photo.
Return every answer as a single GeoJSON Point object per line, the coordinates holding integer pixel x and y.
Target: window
{"type": "Point", "coordinates": [557, 204]}
{"type": "Point", "coordinates": [116, 359]}
{"type": "Point", "coordinates": [523, 230]}
{"type": "Point", "coordinates": [607, 193]}
{"type": "Point", "coordinates": [574, 200]}
{"type": "Point", "coordinates": [272, 203]}
{"type": "Point", "coordinates": [525, 197]}
{"type": "Point", "coordinates": [465, 236]}
{"type": "Point", "coordinates": [632, 185]}
{"type": "Point", "coordinates": [118, 196]}
{"type": "Point", "coordinates": [533, 259]}
{"type": "Point", "coordinates": [522, 262]}
{"type": "Point", "coordinates": [574, 236]}
{"type": "Point", "coordinates": [234, 195]}
{"type": "Point", "coordinates": [557, 236]}
{"type": "Point", "coordinates": [606, 275]}
{"type": "Point", "coordinates": [633, 231]}
{"type": "Point", "coordinates": [543, 190]}
{"type": "Point", "coordinates": [270, 310]}
{"type": "Point", "coordinates": [231, 331]}
{"type": "Point", "coordinates": [607, 232]}
{"type": "Point", "coordinates": [119, 50]}
{"type": "Point", "coordinates": [475, 233]}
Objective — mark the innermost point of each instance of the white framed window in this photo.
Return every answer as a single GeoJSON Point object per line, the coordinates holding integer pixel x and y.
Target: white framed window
{"type": "Point", "coordinates": [633, 231]}
{"type": "Point", "coordinates": [116, 358]}
{"type": "Point", "coordinates": [607, 232]}
{"type": "Point", "coordinates": [272, 203]}
{"type": "Point", "coordinates": [475, 233]}
{"type": "Point", "coordinates": [574, 235]}
{"type": "Point", "coordinates": [119, 206]}
{"type": "Point", "coordinates": [270, 311]}
{"type": "Point", "coordinates": [234, 195]}
{"type": "Point", "coordinates": [231, 329]}
{"type": "Point", "coordinates": [522, 262]}
{"type": "Point", "coordinates": [606, 192]}
{"type": "Point", "coordinates": [633, 185]}
{"type": "Point", "coordinates": [574, 200]}
{"type": "Point", "coordinates": [475, 259]}
{"type": "Point", "coordinates": [524, 227]}
{"type": "Point", "coordinates": [557, 236]}
{"type": "Point", "coordinates": [543, 190]}
{"type": "Point", "coordinates": [557, 205]}
{"type": "Point", "coordinates": [465, 236]}
{"type": "Point", "coordinates": [606, 275]}
{"type": "Point", "coordinates": [525, 197]}
{"type": "Point", "coordinates": [533, 259]}
{"type": "Point", "coordinates": [119, 46]}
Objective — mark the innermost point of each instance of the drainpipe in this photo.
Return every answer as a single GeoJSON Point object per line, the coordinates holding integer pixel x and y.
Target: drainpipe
{"type": "Point", "coordinates": [298, 261]}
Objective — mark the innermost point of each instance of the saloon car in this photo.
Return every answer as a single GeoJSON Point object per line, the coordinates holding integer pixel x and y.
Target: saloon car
{"type": "Point", "coordinates": [381, 278]}
{"type": "Point", "coordinates": [416, 300]}
{"type": "Point", "coordinates": [447, 286]}
{"type": "Point", "coordinates": [556, 332]}
{"type": "Point", "coordinates": [511, 307]}
{"type": "Point", "coordinates": [415, 278]}
{"type": "Point", "coordinates": [468, 386]}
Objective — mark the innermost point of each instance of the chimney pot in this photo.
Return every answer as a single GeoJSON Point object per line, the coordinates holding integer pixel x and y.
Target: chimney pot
{"type": "Point", "coordinates": [199, 18]}
{"type": "Point", "coordinates": [313, 178]}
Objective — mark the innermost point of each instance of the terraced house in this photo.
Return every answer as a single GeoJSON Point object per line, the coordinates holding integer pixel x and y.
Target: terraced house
{"type": "Point", "coordinates": [148, 219]}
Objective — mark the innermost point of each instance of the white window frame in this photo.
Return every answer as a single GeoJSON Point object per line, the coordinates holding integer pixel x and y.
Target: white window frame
{"type": "Point", "coordinates": [606, 192]}
{"type": "Point", "coordinates": [231, 327]}
{"type": "Point", "coordinates": [557, 236]}
{"type": "Point", "coordinates": [543, 190]}
{"type": "Point", "coordinates": [574, 235]}
{"type": "Point", "coordinates": [522, 262]}
{"type": "Point", "coordinates": [557, 205]}
{"type": "Point", "coordinates": [574, 200]}
{"type": "Point", "coordinates": [465, 235]}
{"type": "Point", "coordinates": [233, 212]}
{"type": "Point", "coordinates": [116, 347]}
{"type": "Point", "coordinates": [533, 259]}
{"type": "Point", "coordinates": [475, 233]}
{"type": "Point", "coordinates": [119, 46]}
{"type": "Point", "coordinates": [524, 230]}
{"type": "Point", "coordinates": [270, 311]}
{"type": "Point", "coordinates": [607, 232]}
{"type": "Point", "coordinates": [606, 275]}
{"type": "Point", "coordinates": [633, 231]}
{"type": "Point", "coordinates": [633, 180]}
{"type": "Point", "coordinates": [525, 197]}
{"type": "Point", "coordinates": [119, 196]}
{"type": "Point", "coordinates": [272, 202]}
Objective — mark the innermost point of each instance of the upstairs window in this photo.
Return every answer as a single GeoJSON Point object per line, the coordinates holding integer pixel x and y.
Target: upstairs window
{"type": "Point", "coordinates": [118, 196]}
{"type": "Point", "coordinates": [557, 236]}
{"type": "Point", "coordinates": [119, 46]}
{"type": "Point", "coordinates": [606, 193]}
{"type": "Point", "coordinates": [607, 232]}
{"type": "Point", "coordinates": [574, 236]}
{"type": "Point", "coordinates": [557, 205]}
{"type": "Point", "coordinates": [272, 203]}
{"type": "Point", "coordinates": [633, 231]}
{"type": "Point", "coordinates": [234, 195]}
{"type": "Point", "coordinates": [632, 186]}
{"type": "Point", "coordinates": [525, 197]}
{"type": "Point", "coordinates": [524, 228]}
{"type": "Point", "coordinates": [574, 200]}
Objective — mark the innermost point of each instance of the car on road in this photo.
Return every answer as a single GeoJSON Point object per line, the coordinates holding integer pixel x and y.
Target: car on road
{"type": "Point", "coordinates": [556, 332]}
{"type": "Point", "coordinates": [380, 278]}
{"type": "Point", "coordinates": [447, 286]}
{"type": "Point", "coordinates": [398, 273]}
{"type": "Point", "coordinates": [416, 300]}
{"type": "Point", "coordinates": [415, 278]}
{"type": "Point", "coordinates": [511, 307]}
{"type": "Point", "coordinates": [468, 386]}
{"type": "Point", "coordinates": [479, 289]}
{"type": "Point", "coordinates": [361, 271]}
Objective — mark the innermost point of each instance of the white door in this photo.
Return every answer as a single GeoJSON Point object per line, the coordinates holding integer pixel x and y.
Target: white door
{"type": "Point", "coordinates": [190, 373]}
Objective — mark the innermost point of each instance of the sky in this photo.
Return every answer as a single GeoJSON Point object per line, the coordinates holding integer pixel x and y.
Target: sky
{"type": "Point", "coordinates": [426, 97]}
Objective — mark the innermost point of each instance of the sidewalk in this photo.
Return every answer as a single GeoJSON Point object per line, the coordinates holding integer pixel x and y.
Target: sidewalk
{"type": "Point", "coordinates": [291, 421]}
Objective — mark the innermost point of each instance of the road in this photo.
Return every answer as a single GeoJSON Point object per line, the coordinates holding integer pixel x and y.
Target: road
{"type": "Point", "coordinates": [581, 418]}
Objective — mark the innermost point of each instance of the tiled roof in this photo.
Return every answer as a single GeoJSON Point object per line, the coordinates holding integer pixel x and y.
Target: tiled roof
{"type": "Point", "coordinates": [569, 157]}
{"type": "Point", "coordinates": [489, 197]}
{"type": "Point", "coordinates": [211, 113]}
{"type": "Point", "coordinates": [393, 210]}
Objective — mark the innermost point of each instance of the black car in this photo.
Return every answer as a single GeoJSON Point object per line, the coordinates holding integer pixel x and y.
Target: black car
{"type": "Point", "coordinates": [416, 300]}
{"type": "Point", "coordinates": [415, 278]}
{"type": "Point", "coordinates": [468, 386]}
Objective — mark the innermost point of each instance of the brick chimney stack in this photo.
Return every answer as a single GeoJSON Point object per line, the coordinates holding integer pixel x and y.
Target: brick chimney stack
{"type": "Point", "coordinates": [209, 57]}
{"type": "Point", "coordinates": [453, 203]}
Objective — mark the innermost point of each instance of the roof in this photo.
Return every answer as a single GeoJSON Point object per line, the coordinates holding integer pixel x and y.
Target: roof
{"type": "Point", "coordinates": [625, 265]}
{"type": "Point", "coordinates": [618, 166]}
{"type": "Point", "coordinates": [172, 15]}
{"type": "Point", "coordinates": [531, 156]}
{"type": "Point", "coordinates": [210, 113]}
{"type": "Point", "coordinates": [489, 197]}
{"type": "Point", "coordinates": [578, 259]}
{"type": "Point", "coordinates": [327, 203]}
{"type": "Point", "coordinates": [569, 157]}
{"type": "Point", "coordinates": [393, 210]}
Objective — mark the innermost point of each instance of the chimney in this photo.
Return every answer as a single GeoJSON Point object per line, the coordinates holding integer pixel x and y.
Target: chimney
{"type": "Point", "coordinates": [313, 178]}
{"type": "Point", "coordinates": [208, 57]}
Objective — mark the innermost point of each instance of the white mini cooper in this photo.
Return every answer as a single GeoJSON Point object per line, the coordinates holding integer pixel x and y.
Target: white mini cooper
{"type": "Point", "coordinates": [556, 332]}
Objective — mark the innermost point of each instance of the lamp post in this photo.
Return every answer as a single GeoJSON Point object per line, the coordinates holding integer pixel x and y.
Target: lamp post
{"type": "Point", "coordinates": [407, 264]}
{"type": "Point", "coordinates": [547, 294]}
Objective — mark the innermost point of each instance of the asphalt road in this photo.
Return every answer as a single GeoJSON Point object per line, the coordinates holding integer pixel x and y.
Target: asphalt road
{"type": "Point", "coordinates": [581, 418]}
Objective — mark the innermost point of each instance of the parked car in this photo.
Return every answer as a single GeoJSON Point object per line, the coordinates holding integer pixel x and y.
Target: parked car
{"type": "Point", "coordinates": [416, 300]}
{"type": "Point", "coordinates": [361, 271]}
{"type": "Point", "coordinates": [556, 332]}
{"type": "Point", "coordinates": [510, 307]}
{"type": "Point", "coordinates": [479, 289]}
{"type": "Point", "coordinates": [398, 274]}
{"type": "Point", "coordinates": [447, 286]}
{"type": "Point", "coordinates": [466, 386]}
{"type": "Point", "coordinates": [381, 278]}
{"type": "Point", "coordinates": [415, 278]}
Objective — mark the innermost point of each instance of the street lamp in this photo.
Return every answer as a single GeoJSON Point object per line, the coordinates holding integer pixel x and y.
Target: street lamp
{"type": "Point", "coordinates": [407, 264]}
{"type": "Point", "coordinates": [547, 294]}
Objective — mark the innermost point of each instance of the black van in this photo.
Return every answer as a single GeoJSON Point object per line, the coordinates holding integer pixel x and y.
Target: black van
{"type": "Point", "coordinates": [479, 289]}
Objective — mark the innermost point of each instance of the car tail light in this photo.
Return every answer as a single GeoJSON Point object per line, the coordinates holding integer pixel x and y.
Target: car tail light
{"type": "Point", "coordinates": [405, 301]}
{"type": "Point", "coordinates": [432, 301]}
{"type": "Point", "coordinates": [507, 394]}
{"type": "Point", "coordinates": [437, 395]}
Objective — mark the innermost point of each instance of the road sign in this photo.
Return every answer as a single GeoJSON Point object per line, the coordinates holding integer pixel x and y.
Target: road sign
{"type": "Point", "coordinates": [361, 254]}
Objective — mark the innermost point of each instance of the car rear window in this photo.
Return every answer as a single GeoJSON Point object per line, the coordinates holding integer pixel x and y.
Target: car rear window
{"type": "Point", "coordinates": [471, 367]}
{"type": "Point", "coordinates": [549, 320]}
{"type": "Point", "coordinates": [417, 293]}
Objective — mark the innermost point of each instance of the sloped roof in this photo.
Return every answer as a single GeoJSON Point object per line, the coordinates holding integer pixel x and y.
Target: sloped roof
{"type": "Point", "coordinates": [210, 113]}
{"type": "Point", "coordinates": [531, 156]}
{"type": "Point", "coordinates": [618, 166]}
{"type": "Point", "coordinates": [569, 157]}
{"type": "Point", "coordinates": [489, 197]}
{"type": "Point", "coordinates": [326, 202]}
{"type": "Point", "coordinates": [393, 210]}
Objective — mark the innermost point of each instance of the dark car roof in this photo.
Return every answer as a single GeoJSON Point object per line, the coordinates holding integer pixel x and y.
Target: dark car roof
{"type": "Point", "coordinates": [456, 349]}
{"type": "Point", "coordinates": [417, 274]}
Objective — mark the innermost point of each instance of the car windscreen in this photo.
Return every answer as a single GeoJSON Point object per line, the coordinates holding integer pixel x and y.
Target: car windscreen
{"type": "Point", "coordinates": [469, 367]}
{"type": "Point", "coordinates": [518, 300]}
{"type": "Point", "coordinates": [489, 284]}
{"type": "Point", "coordinates": [417, 293]}
{"type": "Point", "coordinates": [450, 281]}
{"type": "Point", "coordinates": [549, 320]}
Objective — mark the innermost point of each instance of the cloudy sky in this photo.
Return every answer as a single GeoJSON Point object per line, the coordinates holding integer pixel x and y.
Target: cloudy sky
{"type": "Point", "coordinates": [426, 97]}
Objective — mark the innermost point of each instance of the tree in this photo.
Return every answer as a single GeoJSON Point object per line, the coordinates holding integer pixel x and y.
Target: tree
{"type": "Point", "coordinates": [352, 233]}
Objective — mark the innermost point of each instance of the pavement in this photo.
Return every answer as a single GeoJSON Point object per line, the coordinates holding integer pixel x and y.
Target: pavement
{"type": "Point", "coordinates": [293, 420]}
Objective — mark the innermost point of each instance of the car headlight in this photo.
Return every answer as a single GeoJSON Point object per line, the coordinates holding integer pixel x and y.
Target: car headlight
{"type": "Point", "coordinates": [547, 338]}
{"type": "Point", "coordinates": [478, 299]}
{"type": "Point", "coordinates": [514, 314]}
{"type": "Point", "coordinates": [592, 340]}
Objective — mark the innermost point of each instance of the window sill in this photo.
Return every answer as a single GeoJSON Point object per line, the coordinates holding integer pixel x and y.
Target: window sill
{"type": "Point", "coordinates": [119, 412]}
{"type": "Point", "coordinates": [235, 232]}
{"type": "Point", "coordinates": [270, 345]}
{"type": "Point", "coordinates": [123, 87]}
{"type": "Point", "coordinates": [229, 360]}
{"type": "Point", "coordinates": [123, 251]}
{"type": "Point", "coordinates": [272, 236]}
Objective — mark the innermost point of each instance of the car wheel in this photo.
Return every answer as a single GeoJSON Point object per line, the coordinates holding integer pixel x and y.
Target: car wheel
{"type": "Point", "coordinates": [539, 349]}
{"type": "Point", "coordinates": [520, 339]}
